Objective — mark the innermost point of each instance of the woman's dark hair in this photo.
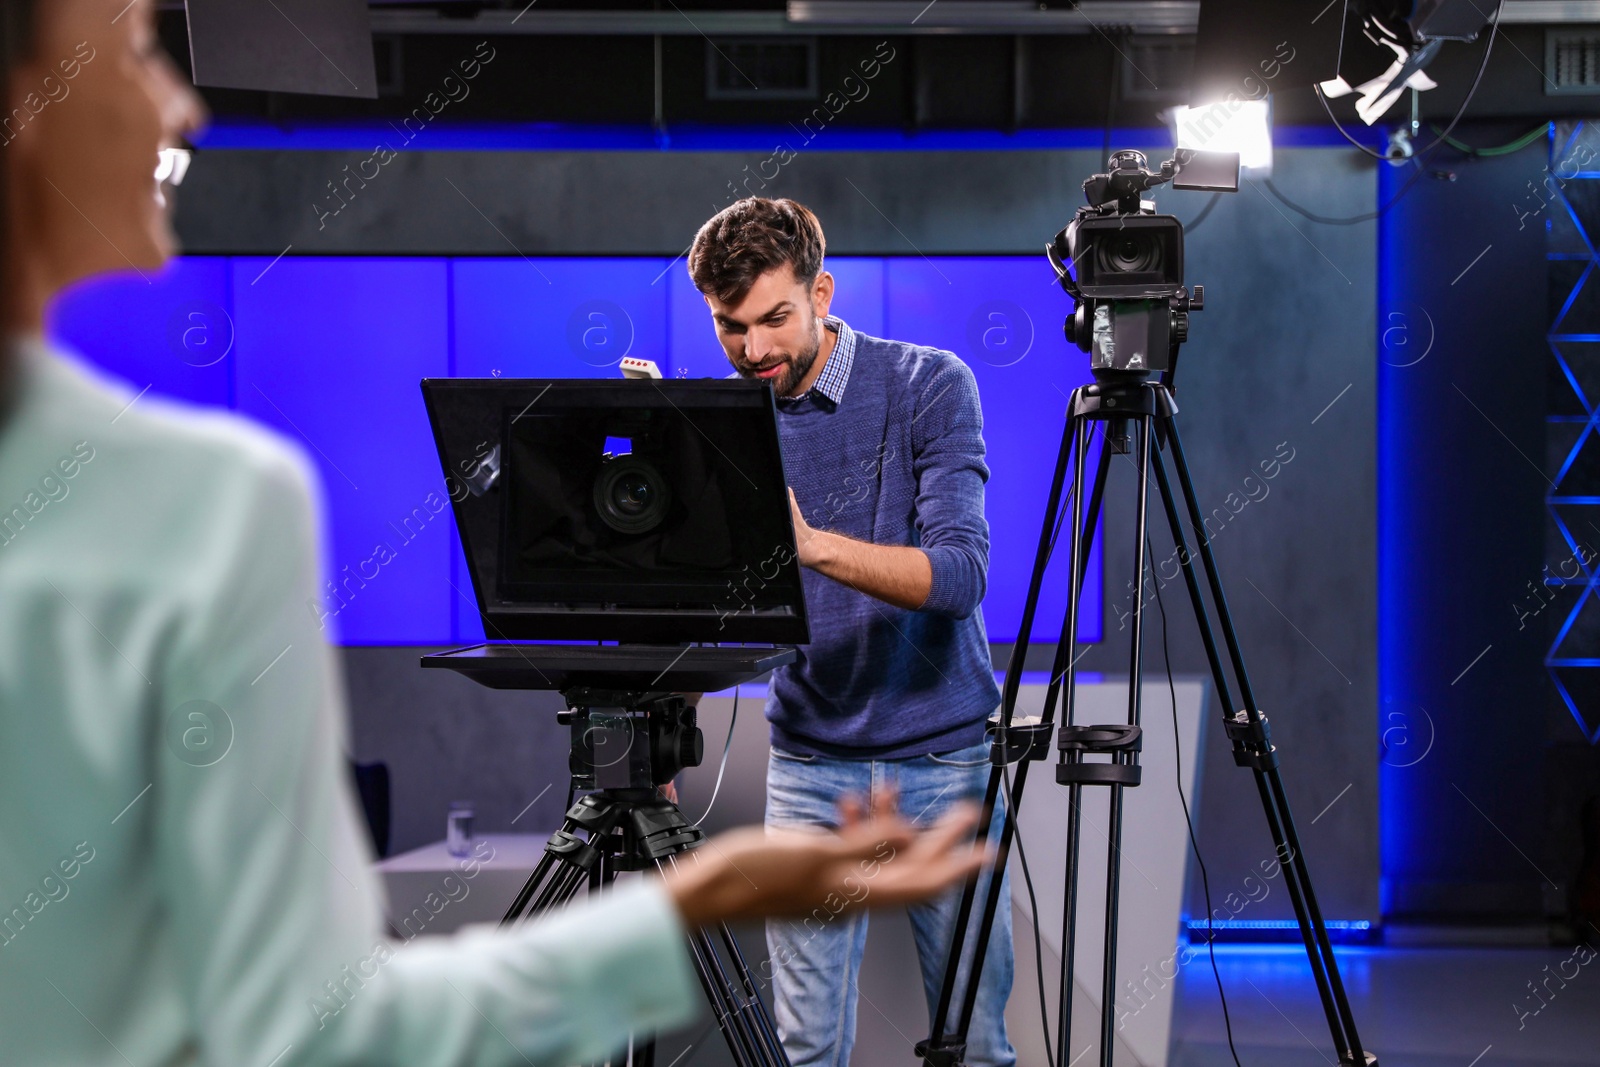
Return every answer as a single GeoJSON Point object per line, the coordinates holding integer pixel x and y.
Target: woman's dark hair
{"type": "Point", "coordinates": [16, 45]}
{"type": "Point", "coordinates": [749, 237]}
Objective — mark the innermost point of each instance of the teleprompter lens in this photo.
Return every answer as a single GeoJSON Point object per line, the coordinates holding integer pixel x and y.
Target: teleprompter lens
{"type": "Point", "coordinates": [631, 495]}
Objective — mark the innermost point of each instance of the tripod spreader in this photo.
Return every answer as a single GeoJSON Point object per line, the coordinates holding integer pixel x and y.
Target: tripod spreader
{"type": "Point", "coordinates": [1020, 739]}
{"type": "Point", "coordinates": [1118, 740]}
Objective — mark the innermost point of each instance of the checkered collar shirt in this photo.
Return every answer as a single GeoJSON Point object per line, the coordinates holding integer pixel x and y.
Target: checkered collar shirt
{"type": "Point", "coordinates": [828, 390]}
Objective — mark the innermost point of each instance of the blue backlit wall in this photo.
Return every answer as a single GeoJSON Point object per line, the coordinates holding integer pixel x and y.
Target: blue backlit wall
{"type": "Point", "coordinates": [329, 351]}
{"type": "Point", "coordinates": [1462, 486]}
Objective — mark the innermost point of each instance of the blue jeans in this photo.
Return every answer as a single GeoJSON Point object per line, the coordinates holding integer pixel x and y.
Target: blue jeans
{"type": "Point", "coordinates": [815, 961]}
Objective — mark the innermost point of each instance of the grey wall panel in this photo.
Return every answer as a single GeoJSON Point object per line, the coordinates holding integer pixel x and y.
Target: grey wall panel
{"type": "Point", "coordinates": [446, 738]}
{"type": "Point", "coordinates": [618, 203]}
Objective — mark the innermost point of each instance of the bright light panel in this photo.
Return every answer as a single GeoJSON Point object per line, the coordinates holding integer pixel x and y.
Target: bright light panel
{"type": "Point", "coordinates": [1242, 126]}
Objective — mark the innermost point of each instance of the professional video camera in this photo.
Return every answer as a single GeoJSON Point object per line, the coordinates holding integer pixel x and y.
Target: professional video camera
{"type": "Point", "coordinates": [1123, 264]}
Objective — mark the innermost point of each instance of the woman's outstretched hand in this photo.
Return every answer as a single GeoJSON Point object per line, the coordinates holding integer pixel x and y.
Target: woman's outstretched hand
{"type": "Point", "coordinates": [876, 856]}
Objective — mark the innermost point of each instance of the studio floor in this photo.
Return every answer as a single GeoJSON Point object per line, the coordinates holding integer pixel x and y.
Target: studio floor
{"type": "Point", "coordinates": [1416, 1007]}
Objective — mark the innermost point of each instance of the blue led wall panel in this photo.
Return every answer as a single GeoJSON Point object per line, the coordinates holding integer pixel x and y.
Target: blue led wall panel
{"type": "Point", "coordinates": [557, 318]}
{"type": "Point", "coordinates": [1462, 382]}
{"type": "Point", "coordinates": [550, 318]}
{"type": "Point", "coordinates": [170, 330]}
{"type": "Point", "coordinates": [1003, 317]}
{"type": "Point", "coordinates": [858, 299]}
{"type": "Point", "coordinates": [330, 352]}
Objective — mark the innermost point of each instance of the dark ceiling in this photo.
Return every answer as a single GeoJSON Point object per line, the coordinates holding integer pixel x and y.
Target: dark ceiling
{"type": "Point", "coordinates": [949, 80]}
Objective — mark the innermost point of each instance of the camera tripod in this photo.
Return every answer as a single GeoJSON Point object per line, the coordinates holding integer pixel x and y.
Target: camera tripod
{"type": "Point", "coordinates": [1124, 401]}
{"type": "Point", "coordinates": [628, 743]}
{"type": "Point", "coordinates": [631, 732]}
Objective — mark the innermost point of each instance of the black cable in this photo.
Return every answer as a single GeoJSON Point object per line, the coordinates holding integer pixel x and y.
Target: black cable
{"type": "Point", "coordinates": [1483, 64]}
{"type": "Point", "coordinates": [1374, 153]}
{"type": "Point", "coordinates": [1352, 219]}
{"type": "Point", "coordinates": [1177, 753]}
{"type": "Point", "coordinates": [1190, 227]}
{"type": "Point", "coordinates": [1033, 908]}
{"type": "Point", "coordinates": [1111, 98]}
{"type": "Point", "coordinates": [1498, 150]}
{"type": "Point", "coordinates": [727, 746]}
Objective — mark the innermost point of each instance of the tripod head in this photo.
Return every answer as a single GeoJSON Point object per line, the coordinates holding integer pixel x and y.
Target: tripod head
{"type": "Point", "coordinates": [629, 740]}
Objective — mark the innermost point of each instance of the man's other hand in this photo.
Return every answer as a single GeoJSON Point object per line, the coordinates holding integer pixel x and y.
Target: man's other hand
{"type": "Point", "coordinates": [875, 856]}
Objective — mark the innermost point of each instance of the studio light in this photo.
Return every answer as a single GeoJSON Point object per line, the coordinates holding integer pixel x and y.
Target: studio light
{"type": "Point", "coordinates": [1389, 42]}
{"type": "Point", "coordinates": [1242, 126]}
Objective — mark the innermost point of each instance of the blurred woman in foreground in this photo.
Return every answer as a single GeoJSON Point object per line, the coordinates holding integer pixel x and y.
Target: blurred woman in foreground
{"type": "Point", "coordinates": [159, 908]}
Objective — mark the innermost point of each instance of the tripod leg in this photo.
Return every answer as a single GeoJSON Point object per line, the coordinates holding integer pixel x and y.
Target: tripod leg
{"type": "Point", "coordinates": [964, 917]}
{"type": "Point", "coordinates": [1274, 799]}
{"type": "Point", "coordinates": [1064, 652]}
{"type": "Point", "coordinates": [1108, 987]}
{"type": "Point", "coordinates": [1219, 679]}
{"type": "Point", "coordinates": [1008, 702]}
{"type": "Point", "coordinates": [1065, 655]}
{"type": "Point", "coordinates": [739, 1011]}
{"type": "Point", "coordinates": [539, 879]}
{"type": "Point", "coordinates": [1041, 561]}
{"type": "Point", "coordinates": [567, 859]}
{"type": "Point", "coordinates": [1069, 919]}
{"type": "Point", "coordinates": [763, 1025]}
{"type": "Point", "coordinates": [744, 1037]}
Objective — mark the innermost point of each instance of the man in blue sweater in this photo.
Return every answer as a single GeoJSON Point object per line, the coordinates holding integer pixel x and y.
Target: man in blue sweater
{"type": "Point", "coordinates": [883, 448]}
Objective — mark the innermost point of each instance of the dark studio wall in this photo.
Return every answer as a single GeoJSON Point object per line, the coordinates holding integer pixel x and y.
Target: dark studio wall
{"type": "Point", "coordinates": [1291, 321]}
{"type": "Point", "coordinates": [1482, 798]}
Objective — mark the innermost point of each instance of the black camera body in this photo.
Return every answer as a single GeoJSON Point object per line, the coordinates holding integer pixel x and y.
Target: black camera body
{"type": "Point", "coordinates": [1122, 263]}
{"type": "Point", "coordinates": [1125, 257]}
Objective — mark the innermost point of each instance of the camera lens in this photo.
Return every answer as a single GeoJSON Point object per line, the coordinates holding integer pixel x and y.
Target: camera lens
{"type": "Point", "coordinates": [631, 495]}
{"type": "Point", "coordinates": [1128, 253]}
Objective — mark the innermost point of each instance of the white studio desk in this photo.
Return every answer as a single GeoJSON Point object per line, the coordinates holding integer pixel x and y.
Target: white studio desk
{"type": "Point", "coordinates": [432, 892]}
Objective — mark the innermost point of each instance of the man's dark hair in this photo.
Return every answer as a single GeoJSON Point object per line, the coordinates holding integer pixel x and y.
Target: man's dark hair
{"type": "Point", "coordinates": [749, 237]}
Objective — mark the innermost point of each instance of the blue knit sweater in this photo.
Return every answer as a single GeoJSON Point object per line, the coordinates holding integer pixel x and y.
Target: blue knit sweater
{"type": "Point", "coordinates": [887, 447]}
